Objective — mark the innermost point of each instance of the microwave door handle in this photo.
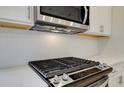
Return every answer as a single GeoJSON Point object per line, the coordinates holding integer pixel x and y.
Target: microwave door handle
{"type": "Point", "coordinates": [85, 17]}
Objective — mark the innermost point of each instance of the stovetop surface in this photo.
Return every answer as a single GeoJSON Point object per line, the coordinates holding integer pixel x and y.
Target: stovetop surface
{"type": "Point", "coordinates": [49, 68]}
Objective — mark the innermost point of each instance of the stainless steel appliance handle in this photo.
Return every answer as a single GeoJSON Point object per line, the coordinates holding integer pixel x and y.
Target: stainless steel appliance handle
{"type": "Point", "coordinates": [86, 14]}
{"type": "Point", "coordinates": [101, 83]}
{"type": "Point", "coordinates": [29, 12]}
{"type": "Point", "coordinates": [120, 80]}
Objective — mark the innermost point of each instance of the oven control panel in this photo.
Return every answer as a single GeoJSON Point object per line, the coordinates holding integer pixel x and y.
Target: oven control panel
{"type": "Point", "coordinates": [58, 81]}
{"type": "Point", "coordinates": [65, 79]}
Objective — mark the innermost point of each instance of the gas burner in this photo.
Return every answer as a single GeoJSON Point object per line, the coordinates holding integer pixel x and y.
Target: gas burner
{"type": "Point", "coordinates": [51, 67]}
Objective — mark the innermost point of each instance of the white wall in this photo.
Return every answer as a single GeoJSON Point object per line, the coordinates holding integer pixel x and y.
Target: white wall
{"type": "Point", "coordinates": [114, 46]}
{"type": "Point", "coordinates": [20, 47]}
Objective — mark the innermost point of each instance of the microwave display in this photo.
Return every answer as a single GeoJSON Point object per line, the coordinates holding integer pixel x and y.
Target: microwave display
{"type": "Point", "coordinates": [70, 13]}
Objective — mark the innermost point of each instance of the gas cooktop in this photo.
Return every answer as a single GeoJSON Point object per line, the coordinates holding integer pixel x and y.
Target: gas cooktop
{"type": "Point", "coordinates": [51, 67]}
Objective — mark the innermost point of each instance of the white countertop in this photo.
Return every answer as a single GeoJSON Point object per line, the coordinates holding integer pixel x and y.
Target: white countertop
{"type": "Point", "coordinates": [24, 76]}
{"type": "Point", "coordinates": [20, 76]}
{"type": "Point", "coordinates": [110, 60]}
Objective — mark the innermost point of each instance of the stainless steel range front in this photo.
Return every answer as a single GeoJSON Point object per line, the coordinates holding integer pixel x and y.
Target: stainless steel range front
{"type": "Point", "coordinates": [72, 72]}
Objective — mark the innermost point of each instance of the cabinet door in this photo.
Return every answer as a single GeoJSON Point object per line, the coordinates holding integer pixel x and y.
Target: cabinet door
{"type": "Point", "coordinates": [116, 81]}
{"type": "Point", "coordinates": [104, 16]}
{"type": "Point", "coordinates": [122, 78]}
{"type": "Point", "coordinates": [100, 20]}
{"type": "Point", "coordinates": [18, 14]}
{"type": "Point", "coordinates": [94, 18]}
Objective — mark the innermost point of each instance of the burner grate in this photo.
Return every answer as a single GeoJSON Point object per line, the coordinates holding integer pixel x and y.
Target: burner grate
{"type": "Point", "coordinates": [51, 67]}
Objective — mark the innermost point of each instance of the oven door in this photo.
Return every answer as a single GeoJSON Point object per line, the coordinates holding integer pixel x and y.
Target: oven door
{"type": "Point", "coordinates": [100, 83]}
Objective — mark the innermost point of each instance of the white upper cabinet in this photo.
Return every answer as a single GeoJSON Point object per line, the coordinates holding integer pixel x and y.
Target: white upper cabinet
{"type": "Point", "coordinates": [16, 14]}
{"type": "Point", "coordinates": [100, 21]}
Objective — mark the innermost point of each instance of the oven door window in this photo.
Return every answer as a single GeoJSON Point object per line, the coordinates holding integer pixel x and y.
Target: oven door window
{"type": "Point", "coordinates": [70, 13]}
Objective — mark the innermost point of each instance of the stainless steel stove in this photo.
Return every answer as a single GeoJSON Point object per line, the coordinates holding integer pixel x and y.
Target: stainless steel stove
{"type": "Point", "coordinates": [71, 72]}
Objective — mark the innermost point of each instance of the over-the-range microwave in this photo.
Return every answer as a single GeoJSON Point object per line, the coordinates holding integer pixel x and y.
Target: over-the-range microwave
{"type": "Point", "coordinates": [62, 19]}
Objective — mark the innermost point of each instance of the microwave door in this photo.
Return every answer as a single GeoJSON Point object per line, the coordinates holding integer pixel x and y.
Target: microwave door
{"type": "Point", "coordinates": [68, 18]}
{"type": "Point", "coordinates": [68, 13]}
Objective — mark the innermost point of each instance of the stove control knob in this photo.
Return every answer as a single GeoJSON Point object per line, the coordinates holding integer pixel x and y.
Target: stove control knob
{"type": "Point", "coordinates": [56, 79]}
{"type": "Point", "coordinates": [103, 66]}
{"type": "Point", "coordinates": [65, 77]}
